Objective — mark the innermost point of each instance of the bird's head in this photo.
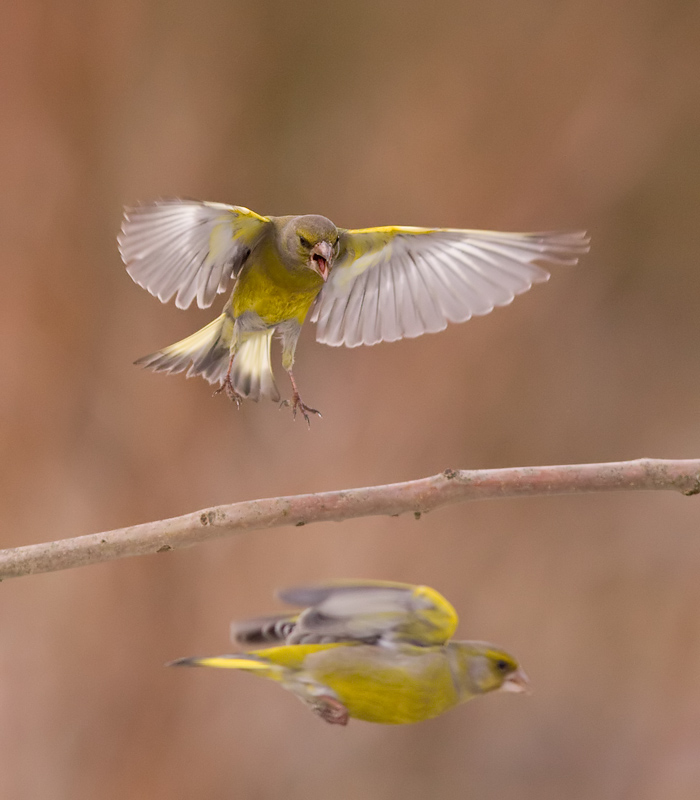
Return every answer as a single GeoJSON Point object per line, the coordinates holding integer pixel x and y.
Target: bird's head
{"type": "Point", "coordinates": [486, 668]}
{"type": "Point", "coordinates": [311, 241]}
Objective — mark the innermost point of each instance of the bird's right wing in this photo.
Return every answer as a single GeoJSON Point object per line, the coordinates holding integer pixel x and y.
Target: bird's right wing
{"type": "Point", "coordinates": [370, 611]}
{"type": "Point", "coordinates": [187, 248]}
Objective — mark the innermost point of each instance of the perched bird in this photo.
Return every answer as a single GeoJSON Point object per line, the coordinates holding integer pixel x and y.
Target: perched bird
{"type": "Point", "coordinates": [361, 286]}
{"type": "Point", "coordinates": [372, 650]}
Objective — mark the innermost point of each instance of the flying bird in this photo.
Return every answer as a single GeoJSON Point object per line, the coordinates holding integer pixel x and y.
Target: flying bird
{"type": "Point", "coordinates": [373, 650]}
{"type": "Point", "coordinates": [360, 286]}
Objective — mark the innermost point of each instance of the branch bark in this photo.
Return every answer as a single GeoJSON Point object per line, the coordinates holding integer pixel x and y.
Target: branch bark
{"type": "Point", "coordinates": [418, 497]}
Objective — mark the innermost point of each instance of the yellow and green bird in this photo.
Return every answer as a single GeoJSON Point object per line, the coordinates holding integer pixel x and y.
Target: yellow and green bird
{"type": "Point", "coordinates": [360, 286]}
{"type": "Point", "coordinates": [372, 650]}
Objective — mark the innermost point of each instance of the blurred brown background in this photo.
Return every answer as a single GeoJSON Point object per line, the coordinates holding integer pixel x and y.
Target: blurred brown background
{"type": "Point", "coordinates": [505, 115]}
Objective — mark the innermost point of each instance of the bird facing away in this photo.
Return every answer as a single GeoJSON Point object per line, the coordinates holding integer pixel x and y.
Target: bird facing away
{"type": "Point", "coordinates": [360, 286]}
{"type": "Point", "coordinates": [373, 650]}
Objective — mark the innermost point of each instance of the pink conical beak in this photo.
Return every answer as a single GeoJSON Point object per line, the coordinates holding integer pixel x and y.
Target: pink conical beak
{"type": "Point", "coordinates": [517, 682]}
{"type": "Point", "coordinates": [321, 259]}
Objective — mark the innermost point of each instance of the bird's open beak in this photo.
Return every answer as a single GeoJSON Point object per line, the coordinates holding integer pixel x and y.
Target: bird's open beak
{"type": "Point", "coordinates": [321, 259]}
{"type": "Point", "coordinates": [517, 682]}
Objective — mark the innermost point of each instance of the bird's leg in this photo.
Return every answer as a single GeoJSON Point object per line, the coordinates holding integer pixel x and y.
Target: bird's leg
{"type": "Point", "coordinates": [319, 698]}
{"type": "Point", "coordinates": [227, 383]}
{"type": "Point", "coordinates": [298, 405]}
{"type": "Point", "coordinates": [289, 333]}
{"type": "Point", "coordinates": [330, 709]}
{"type": "Point", "coordinates": [227, 386]}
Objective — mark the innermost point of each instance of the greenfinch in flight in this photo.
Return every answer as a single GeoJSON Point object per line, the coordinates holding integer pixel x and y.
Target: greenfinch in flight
{"type": "Point", "coordinates": [372, 650]}
{"type": "Point", "coordinates": [359, 286]}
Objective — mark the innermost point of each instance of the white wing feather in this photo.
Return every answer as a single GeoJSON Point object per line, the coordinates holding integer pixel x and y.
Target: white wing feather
{"type": "Point", "coordinates": [187, 248]}
{"type": "Point", "coordinates": [391, 283]}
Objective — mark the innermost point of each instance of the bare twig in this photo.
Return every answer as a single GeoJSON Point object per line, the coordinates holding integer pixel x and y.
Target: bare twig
{"type": "Point", "coordinates": [418, 497]}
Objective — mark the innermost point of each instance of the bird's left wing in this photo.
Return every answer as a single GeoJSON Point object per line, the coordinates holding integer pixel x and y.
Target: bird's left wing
{"type": "Point", "coordinates": [370, 611]}
{"type": "Point", "coordinates": [187, 248]}
{"type": "Point", "coordinates": [394, 282]}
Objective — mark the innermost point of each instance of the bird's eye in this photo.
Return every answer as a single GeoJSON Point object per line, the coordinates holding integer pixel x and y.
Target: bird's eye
{"type": "Point", "coordinates": [305, 242]}
{"type": "Point", "coordinates": [502, 666]}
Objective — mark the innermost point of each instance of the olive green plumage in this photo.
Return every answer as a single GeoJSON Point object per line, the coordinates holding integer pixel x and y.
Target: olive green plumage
{"type": "Point", "coordinates": [360, 286]}
{"type": "Point", "coordinates": [371, 650]}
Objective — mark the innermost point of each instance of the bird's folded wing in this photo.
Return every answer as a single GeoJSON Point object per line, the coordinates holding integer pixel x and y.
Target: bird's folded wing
{"type": "Point", "coordinates": [371, 611]}
{"type": "Point", "coordinates": [187, 248]}
{"type": "Point", "coordinates": [394, 282]}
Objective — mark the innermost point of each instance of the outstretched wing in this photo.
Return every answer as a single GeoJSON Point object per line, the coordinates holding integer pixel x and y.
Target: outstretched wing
{"type": "Point", "coordinates": [187, 248]}
{"type": "Point", "coordinates": [394, 282]}
{"type": "Point", "coordinates": [367, 611]}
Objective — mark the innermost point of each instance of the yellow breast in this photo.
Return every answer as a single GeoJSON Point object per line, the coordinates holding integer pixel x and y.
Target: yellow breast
{"type": "Point", "coordinates": [273, 292]}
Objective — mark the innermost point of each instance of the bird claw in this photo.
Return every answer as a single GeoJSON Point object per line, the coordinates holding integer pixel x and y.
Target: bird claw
{"type": "Point", "coordinates": [330, 709]}
{"type": "Point", "coordinates": [231, 393]}
{"type": "Point", "coordinates": [298, 405]}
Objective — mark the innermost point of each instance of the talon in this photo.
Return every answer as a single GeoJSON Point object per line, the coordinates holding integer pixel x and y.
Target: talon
{"type": "Point", "coordinates": [332, 710]}
{"type": "Point", "coordinates": [231, 393]}
{"type": "Point", "coordinates": [297, 404]}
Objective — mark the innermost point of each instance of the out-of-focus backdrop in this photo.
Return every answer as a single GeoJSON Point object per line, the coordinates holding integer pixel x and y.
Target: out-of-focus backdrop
{"type": "Point", "coordinates": [502, 115]}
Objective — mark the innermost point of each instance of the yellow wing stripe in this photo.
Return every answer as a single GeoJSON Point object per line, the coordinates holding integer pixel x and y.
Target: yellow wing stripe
{"type": "Point", "coordinates": [443, 614]}
{"type": "Point", "coordinates": [229, 662]}
{"type": "Point", "coordinates": [393, 230]}
{"type": "Point", "coordinates": [237, 211]}
{"type": "Point", "coordinates": [292, 656]}
{"type": "Point", "coordinates": [270, 660]}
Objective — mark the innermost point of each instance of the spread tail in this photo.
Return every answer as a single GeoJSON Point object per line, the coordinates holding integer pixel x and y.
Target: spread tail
{"type": "Point", "coordinates": [207, 353]}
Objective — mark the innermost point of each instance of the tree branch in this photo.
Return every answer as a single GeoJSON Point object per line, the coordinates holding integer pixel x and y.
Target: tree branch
{"type": "Point", "coordinates": [417, 496]}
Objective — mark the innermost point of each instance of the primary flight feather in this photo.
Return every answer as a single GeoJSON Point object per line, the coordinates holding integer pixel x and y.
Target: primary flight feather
{"type": "Point", "coordinates": [360, 286]}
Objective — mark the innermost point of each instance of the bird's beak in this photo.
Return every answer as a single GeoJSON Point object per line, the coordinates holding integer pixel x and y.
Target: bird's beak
{"type": "Point", "coordinates": [517, 682]}
{"type": "Point", "coordinates": [321, 259]}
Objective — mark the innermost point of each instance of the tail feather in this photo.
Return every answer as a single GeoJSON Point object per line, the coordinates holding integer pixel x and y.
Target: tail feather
{"type": "Point", "coordinates": [206, 352]}
{"type": "Point", "coordinates": [243, 661]}
{"type": "Point", "coordinates": [252, 368]}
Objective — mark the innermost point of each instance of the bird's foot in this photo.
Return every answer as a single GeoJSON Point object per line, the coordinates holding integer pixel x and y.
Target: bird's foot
{"type": "Point", "coordinates": [231, 393]}
{"type": "Point", "coordinates": [330, 709]}
{"type": "Point", "coordinates": [298, 405]}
